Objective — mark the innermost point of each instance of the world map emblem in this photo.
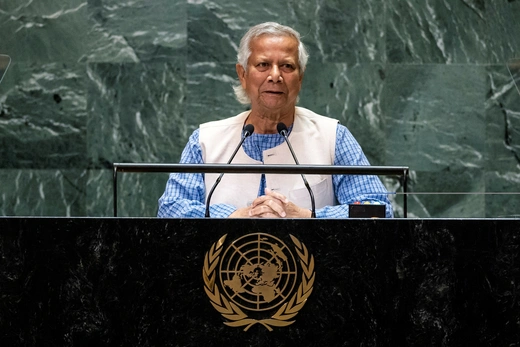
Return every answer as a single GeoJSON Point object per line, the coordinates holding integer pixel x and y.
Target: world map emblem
{"type": "Point", "coordinates": [258, 280]}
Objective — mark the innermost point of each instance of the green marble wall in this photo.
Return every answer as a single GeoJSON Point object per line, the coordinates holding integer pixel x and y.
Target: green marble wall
{"type": "Point", "coordinates": [419, 83]}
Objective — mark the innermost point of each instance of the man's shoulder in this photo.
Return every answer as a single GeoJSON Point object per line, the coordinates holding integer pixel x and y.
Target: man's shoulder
{"type": "Point", "coordinates": [307, 116]}
{"type": "Point", "coordinates": [235, 120]}
{"type": "Point", "coordinates": [306, 113]}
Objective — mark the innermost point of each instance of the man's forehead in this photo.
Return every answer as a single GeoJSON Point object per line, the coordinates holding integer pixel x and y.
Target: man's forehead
{"type": "Point", "coordinates": [260, 48]}
{"type": "Point", "coordinates": [257, 39]}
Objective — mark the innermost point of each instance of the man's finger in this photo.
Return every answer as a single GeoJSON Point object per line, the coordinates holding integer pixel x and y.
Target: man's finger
{"type": "Point", "coordinates": [281, 197]}
{"type": "Point", "coordinates": [267, 207]}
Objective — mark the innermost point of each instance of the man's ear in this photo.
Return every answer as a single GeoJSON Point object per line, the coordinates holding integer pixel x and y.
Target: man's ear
{"type": "Point", "coordinates": [241, 72]}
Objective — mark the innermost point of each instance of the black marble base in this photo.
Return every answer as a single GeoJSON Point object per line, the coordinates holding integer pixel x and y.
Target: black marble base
{"type": "Point", "coordinates": [139, 282]}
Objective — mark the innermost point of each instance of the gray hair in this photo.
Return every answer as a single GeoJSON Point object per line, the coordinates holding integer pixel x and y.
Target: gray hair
{"type": "Point", "coordinates": [244, 51]}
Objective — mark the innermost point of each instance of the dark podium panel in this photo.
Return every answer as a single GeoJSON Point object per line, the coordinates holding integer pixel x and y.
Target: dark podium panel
{"type": "Point", "coordinates": [144, 282]}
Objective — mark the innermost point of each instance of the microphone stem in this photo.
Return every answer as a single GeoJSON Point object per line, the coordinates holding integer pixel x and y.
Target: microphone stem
{"type": "Point", "coordinates": [313, 210]}
{"type": "Point", "coordinates": [207, 215]}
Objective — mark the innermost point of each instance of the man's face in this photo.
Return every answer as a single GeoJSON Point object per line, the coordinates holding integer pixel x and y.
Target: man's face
{"type": "Point", "coordinates": [273, 78]}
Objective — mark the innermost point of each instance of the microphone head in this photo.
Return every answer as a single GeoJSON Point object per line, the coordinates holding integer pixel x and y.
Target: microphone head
{"type": "Point", "coordinates": [248, 130]}
{"type": "Point", "coordinates": [281, 128]}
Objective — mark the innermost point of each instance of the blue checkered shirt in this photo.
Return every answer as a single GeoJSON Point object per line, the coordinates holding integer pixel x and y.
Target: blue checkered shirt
{"type": "Point", "coordinates": [184, 196]}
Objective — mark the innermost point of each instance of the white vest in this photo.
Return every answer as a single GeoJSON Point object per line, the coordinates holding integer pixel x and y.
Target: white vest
{"type": "Point", "coordinates": [313, 138]}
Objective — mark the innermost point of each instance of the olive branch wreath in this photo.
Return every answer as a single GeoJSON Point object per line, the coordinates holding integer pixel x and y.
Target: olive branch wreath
{"type": "Point", "coordinates": [236, 317]}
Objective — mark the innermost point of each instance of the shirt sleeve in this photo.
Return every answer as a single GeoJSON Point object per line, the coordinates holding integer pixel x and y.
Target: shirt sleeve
{"type": "Point", "coordinates": [352, 188]}
{"type": "Point", "coordinates": [185, 193]}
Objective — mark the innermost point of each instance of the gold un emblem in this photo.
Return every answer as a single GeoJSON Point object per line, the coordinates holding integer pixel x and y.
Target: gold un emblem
{"type": "Point", "coordinates": [257, 275]}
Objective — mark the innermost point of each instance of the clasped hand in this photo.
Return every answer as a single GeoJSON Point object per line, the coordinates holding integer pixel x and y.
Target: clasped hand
{"type": "Point", "coordinates": [271, 205]}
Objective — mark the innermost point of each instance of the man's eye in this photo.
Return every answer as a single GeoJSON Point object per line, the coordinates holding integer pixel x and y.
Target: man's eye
{"type": "Point", "coordinates": [287, 67]}
{"type": "Point", "coordinates": [263, 65]}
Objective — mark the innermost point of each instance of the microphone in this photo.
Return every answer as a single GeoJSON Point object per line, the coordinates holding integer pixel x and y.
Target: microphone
{"type": "Point", "coordinates": [246, 132]}
{"type": "Point", "coordinates": [282, 130]}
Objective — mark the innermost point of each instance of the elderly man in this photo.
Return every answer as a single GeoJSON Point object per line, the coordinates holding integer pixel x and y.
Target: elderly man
{"type": "Point", "coordinates": [271, 65]}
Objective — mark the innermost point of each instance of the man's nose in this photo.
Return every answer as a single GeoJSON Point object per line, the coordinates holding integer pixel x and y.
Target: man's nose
{"type": "Point", "coordinates": [275, 73]}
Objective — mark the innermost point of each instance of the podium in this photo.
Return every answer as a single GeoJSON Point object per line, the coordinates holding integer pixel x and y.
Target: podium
{"type": "Point", "coordinates": [357, 282]}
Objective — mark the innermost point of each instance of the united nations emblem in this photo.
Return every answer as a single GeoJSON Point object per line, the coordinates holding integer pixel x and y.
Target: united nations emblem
{"type": "Point", "coordinates": [257, 275]}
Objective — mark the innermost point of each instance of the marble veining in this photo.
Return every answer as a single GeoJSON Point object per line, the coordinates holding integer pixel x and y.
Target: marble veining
{"type": "Point", "coordinates": [421, 84]}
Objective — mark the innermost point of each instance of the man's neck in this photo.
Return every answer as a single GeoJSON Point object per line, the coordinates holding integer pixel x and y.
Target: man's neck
{"type": "Point", "coordinates": [266, 122]}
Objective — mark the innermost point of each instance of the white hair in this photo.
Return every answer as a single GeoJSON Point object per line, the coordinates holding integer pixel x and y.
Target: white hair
{"type": "Point", "coordinates": [244, 51]}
